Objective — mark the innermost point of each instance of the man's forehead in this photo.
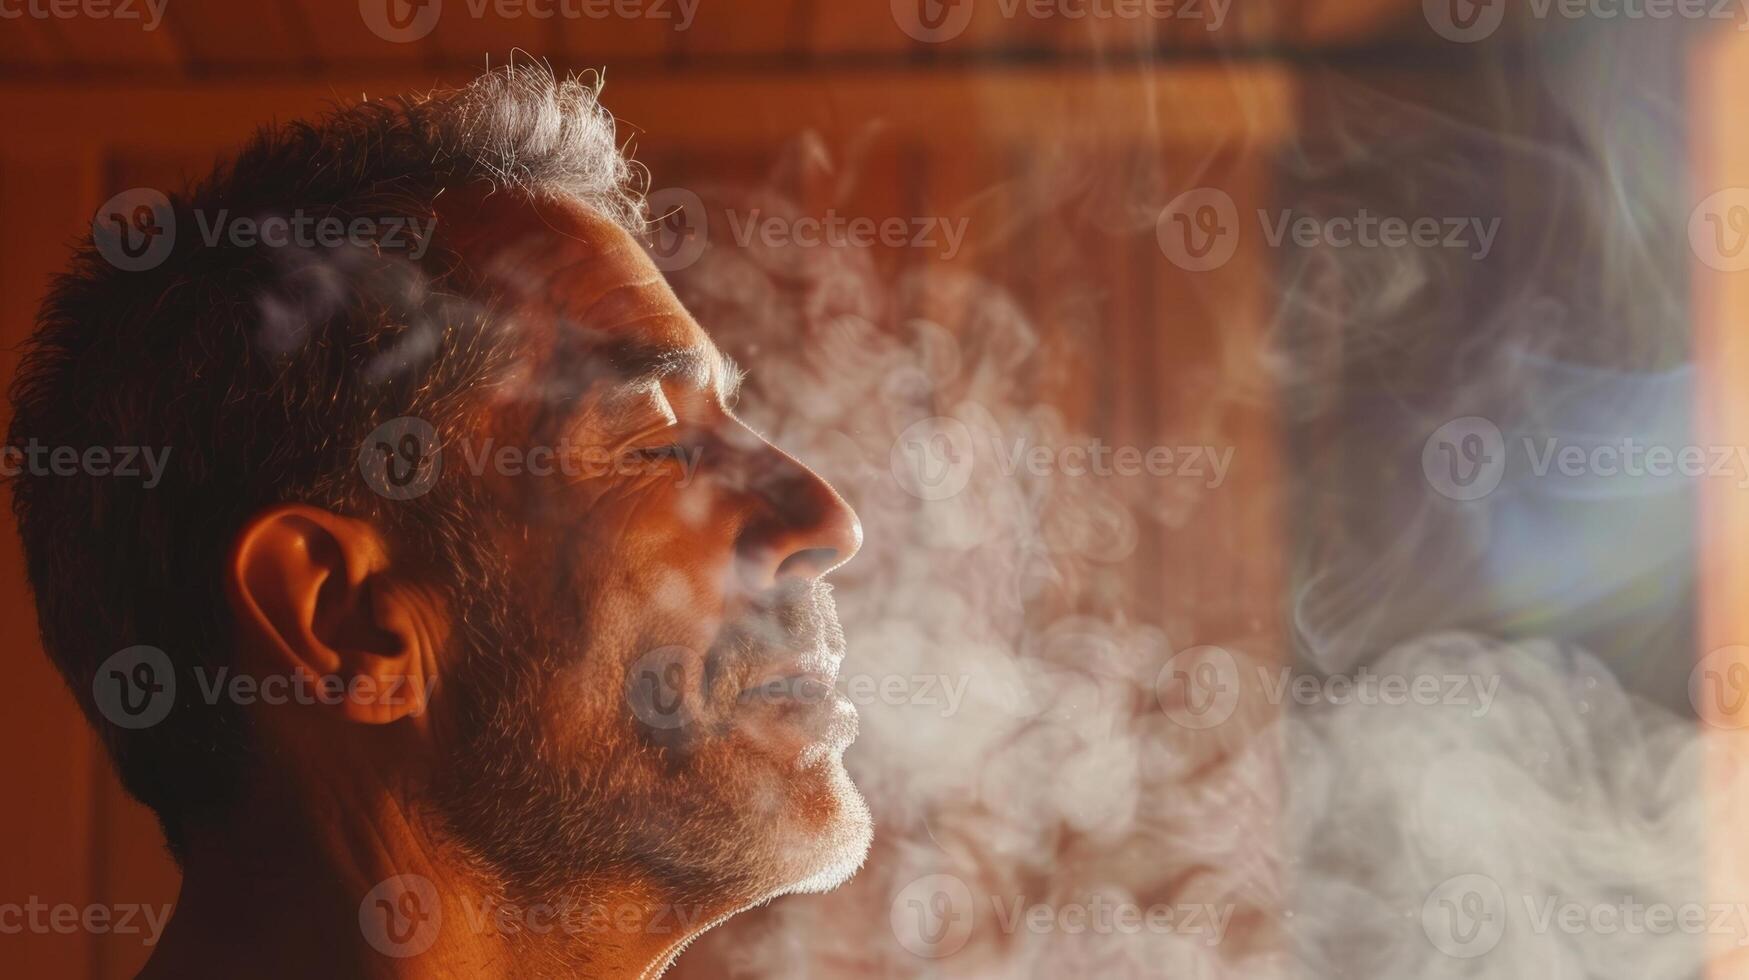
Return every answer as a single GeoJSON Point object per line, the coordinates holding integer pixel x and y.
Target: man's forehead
{"type": "Point", "coordinates": [483, 223]}
{"type": "Point", "coordinates": [557, 253]}
{"type": "Point", "coordinates": [597, 309]}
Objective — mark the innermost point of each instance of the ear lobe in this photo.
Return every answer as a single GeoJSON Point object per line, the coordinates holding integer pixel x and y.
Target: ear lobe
{"type": "Point", "coordinates": [319, 606]}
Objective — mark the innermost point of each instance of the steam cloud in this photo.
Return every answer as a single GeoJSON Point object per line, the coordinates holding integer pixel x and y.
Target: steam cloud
{"type": "Point", "coordinates": [1522, 826]}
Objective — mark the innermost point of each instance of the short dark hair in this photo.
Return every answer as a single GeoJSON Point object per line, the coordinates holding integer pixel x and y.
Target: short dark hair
{"type": "Point", "coordinates": [261, 371]}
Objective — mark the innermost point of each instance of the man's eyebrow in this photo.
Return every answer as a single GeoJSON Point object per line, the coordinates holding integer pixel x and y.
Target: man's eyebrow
{"type": "Point", "coordinates": [636, 365]}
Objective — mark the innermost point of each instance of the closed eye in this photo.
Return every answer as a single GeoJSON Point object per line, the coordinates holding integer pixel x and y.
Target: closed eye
{"type": "Point", "coordinates": [672, 450]}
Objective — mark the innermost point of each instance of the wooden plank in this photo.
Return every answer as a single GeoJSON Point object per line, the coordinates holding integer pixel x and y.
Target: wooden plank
{"type": "Point", "coordinates": [595, 42]}
{"type": "Point", "coordinates": [32, 45]}
{"type": "Point", "coordinates": [969, 27]}
{"type": "Point", "coordinates": [1720, 153]}
{"type": "Point", "coordinates": [769, 28]}
{"type": "Point", "coordinates": [223, 34]}
{"type": "Point", "coordinates": [283, 37]}
{"type": "Point", "coordinates": [52, 757]}
{"type": "Point", "coordinates": [342, 36]}
{"type": "Point", "coordinates": [1322, 22]}
{"type": "Point", "coordinates": [498, 33]}
{"type": "Point", "coordinates": [844, 28]}
{"type": "Point", "coordinates": [140, 41]}
{"type": "Point", "coordinates": [1191, 103]}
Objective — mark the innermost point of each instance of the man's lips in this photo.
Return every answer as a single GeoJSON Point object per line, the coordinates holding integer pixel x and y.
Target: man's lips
{"type": "Point", "coordinates": [804, 677]}
{"type": "Point", "coordinates": [794, 687]}
{"type": "Point", "coordinates": [801, 692]}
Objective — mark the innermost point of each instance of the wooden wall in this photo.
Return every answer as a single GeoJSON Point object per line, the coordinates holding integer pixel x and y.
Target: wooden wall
{"type": "Point", "coordinates": [90, 108]}
{"type": "Point", "coordinates": [1720, 149]}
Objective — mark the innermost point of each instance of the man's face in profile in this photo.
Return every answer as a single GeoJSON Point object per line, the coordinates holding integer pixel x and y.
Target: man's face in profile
{"type": "Point", "coordinates": [647, 703]}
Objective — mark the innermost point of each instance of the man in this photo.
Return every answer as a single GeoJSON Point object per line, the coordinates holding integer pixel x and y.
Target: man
{"type": "Point", "coordinates": [465, 631]}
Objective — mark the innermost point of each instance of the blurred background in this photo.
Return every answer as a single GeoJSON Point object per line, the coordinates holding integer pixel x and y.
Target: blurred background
{"type": "Point", "coordinates": [1342, 275]}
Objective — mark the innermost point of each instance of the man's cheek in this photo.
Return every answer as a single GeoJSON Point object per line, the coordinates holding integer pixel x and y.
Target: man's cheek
{"type": "Point", "coordinates": [582, 712]}
{"type": "Point", "coordinates": [684, 592]}
{"type": "Point", "coordinates": [698, 497]}
{"type": "Point", "coordinates": [684, 557]}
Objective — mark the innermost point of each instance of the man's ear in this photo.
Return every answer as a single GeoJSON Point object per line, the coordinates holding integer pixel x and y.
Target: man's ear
{"type": "Point", "coordinates": [318, 604]}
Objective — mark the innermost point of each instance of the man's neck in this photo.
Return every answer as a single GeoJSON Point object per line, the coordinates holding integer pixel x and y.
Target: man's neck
{"type": "Point", "coordinates": [363, 890]}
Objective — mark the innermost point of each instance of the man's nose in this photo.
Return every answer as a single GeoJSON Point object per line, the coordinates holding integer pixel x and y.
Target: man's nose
{"type": "Point", "coordinates": [801, 527]}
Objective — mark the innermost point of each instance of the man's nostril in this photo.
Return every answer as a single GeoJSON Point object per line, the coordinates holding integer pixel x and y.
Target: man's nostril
{"type": "Point", "coordinates": [808, 563]}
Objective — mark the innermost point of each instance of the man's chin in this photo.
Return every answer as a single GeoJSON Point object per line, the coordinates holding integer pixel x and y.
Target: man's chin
{"type": "Point", "coordinates": [838, 844]}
